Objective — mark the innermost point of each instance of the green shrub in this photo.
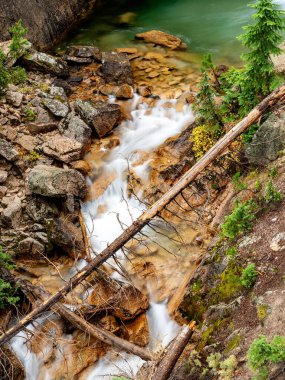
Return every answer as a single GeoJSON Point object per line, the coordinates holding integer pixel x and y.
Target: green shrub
{"type": "Point", "coordinates": [4, 74]}
{"type": "Point", "coordinates": [30, 114]}
{"type": "Point", "coordinates": [271, 193]}
{"type": "Point", "coordinates": [240, 220]}
{"type": "Point", "coordinates": [7, 291]}
{"type": "Point", "coordinates": [263, 354]}
{"type": "Point", "coordinates": [19, 42]}
{"type": "Point", "coordinates": [237, 183]}
{"type": "Point", "coordinates": [18, 75]}
{"type": "Point", "coordinates": [249, 276]}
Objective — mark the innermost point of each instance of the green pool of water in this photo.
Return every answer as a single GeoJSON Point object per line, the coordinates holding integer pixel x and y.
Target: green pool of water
{"type": "Point", "coordinates": [207, 26]}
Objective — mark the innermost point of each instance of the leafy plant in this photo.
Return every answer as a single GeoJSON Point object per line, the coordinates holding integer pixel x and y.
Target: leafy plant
{"type": "Point", "coordinates": [238, 184]}
{"type": "Point", "coordinates": [18, 75]}
{"type": "Point", "coordinates": [30, 114]}
{"type": "Point", "coordinates": [271, 193]}
{"type": "Point", "coordinates": [33, 156]}
{"type": "Point", "coordinates": [249, 276]}
{"type": "Point", "coordinates": [240, 220]}
{"type": "Point", "coordinates": [262, 354]}
{"type": "Point", "coordinates": [203, 138]}
{"type": "Point", "coordinates": [19, 42]}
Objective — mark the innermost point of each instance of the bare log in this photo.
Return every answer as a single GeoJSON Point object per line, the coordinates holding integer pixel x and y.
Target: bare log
{"type": "Point", "coordinates": [154, 210]}
{"type": "Point", "coordinates": [173, 352]}
{"type": "Point", "coordinates": [80, 323]}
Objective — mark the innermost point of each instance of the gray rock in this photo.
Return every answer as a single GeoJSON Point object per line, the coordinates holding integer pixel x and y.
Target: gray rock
{"type": "Point", "coordinates": [14, 98]}
{"type": "Point", "coordinates": [102, 117]}
{"type": "Point", "coordinates": [50, 181]}
{"type": "Point", "coordinates": [43, 116]}
{"type": "Point", "coordinates": [56, 107]}
{"type": "Point", "coordinates": [3, 176]}
{"type": "Point", "coordinates": [57, 92]}
{"type": "Point", "coordinates": [63, 148]}
{"type": "Point", "coordinates": [75, 128]}
{"type": "Point", "coordinates": [268, 141]}
{"type": "Point", "coordinates": [67, 236]}
{"type": "Point", "coordinates": [3, 191]}
{"type": "Point", "coordinates": [116, 68]}
{"type": "Point", "coordinates": [31, 248]}
{"type": "Point", "coordinates": [12, 213]}
{"type": "Point", "coordinates": [36, 128]}
{"type": "Point", "coordinates": [8, 151]}
{"type": "Point", "coordinates": [45, 63]}
{"type": "Point", "coordinates": [39, 209]}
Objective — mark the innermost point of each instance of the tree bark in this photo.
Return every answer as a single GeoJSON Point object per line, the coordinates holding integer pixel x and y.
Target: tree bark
{"type": "Point", "coordinates": [80, 323]}
{"type": "Point", "coordinates": [153, 211]}
{"type": "Point", "coordinates": [173, 352]}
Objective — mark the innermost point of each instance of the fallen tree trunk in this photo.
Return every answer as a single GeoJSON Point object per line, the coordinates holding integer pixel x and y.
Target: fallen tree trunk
{"type": "Point", "coordinates": [173, 352]}
{"type": "Point", "coordinates": [153, 211]}
{"type": "Point", "coordinates": [80, 323]}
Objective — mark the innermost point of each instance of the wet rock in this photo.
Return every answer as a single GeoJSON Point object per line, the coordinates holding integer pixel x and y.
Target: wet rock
{"type": "Point", "coordinates": [123, 300]}
{"type": "Point", "coordinates": [30, 248]}
{"type": "Point", "coordinates": [137, 331]}
{"type": "Point", "coordinates": [127, 18]}
{"type": "Point", "coordinates": [87, 52]}
{"type": "Point", "coordinates": [56, 107]}
{"type": "Point", "coordinates": [161, 38]}
{"type": "Point", "coordinates": [12, 213]}
{"type": "Point", "coordinates": [76, 129]}
{"type": "Point", "coordinates": [62, 148]}
{"type": "Point", "coordinates": [81, 166]}
{"type": "Point", "coordinates": [67, 236]}
{"type": "Point", "coordinates": [3, 176]}
{"type": "Point", "coordinates": [268, 141]}
{"type": "Point", "coordinates": [102, 117]}
{"type": "Point", "coordinates": [108, 89]}
{"type": "Point", "coordinates": [39, 209]}
{"type": "Point", "coordinates": [145, 91]}
{"type": "Point", "coordinates": [45, 63]}
{"type": "Point", "coordinates": [14, 98]}
{"type": "Point", "coordinates": [8, 151]}
{"type": "Point", "coordinates": [116, 68]}
{"type": "Point", "coordinates": [50, 181]}
{"type": "Point", "coordinates": [125, 92]}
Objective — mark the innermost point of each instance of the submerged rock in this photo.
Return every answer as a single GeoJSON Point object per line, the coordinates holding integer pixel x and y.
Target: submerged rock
{"type": "Point", "coordinates": [125, 92]}
{"type": "Point", "coordinates": [161, 38]}
{"type": "Point", "coordinates": [102, 117]}
{"type": "Point", "coordinates": [50, 181]}
{"type": "Point", "coordinates": [116, 68]}
{"type": "Point", "coordinates": [45, 63]}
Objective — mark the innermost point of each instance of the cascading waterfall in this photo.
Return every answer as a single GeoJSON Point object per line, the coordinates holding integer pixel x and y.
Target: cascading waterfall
{"type": "Point", "coordinates": [147, 129]}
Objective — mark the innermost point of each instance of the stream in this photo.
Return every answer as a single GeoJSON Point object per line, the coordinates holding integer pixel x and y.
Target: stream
{"type": "Point", "coordinates": [207, 26]}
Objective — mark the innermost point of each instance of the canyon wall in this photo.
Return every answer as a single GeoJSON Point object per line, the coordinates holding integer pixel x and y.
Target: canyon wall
{"type": "Point", "coordinates": [47, 20]}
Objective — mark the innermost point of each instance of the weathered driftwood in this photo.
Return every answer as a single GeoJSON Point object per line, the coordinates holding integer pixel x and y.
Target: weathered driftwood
{"type": "Point", "coordinates": [154, 210]}
{"type": "Point", "coordinates": [105, 336]}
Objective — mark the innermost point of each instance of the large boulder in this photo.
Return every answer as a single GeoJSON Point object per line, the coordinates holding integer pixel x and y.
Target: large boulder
{"type": "Point", "coordinates": [268, 141]}
{"type": "Point", "coordinates": [161, 38]}
{"type": "Point", "coordinates": [75, 128]}
{"type": "Point", "coordinates": [46, 63]}
{"type": "Point", "coordinates": [50, 181]}
{"type": "Point", "coordinates": [101, 116]}
{"type": "Point", "coordinates": [8, 151]}
{"type": "Point", "coordinates": [82, 54]}
{"type": "Point", "coordinates": [116, 68]}
{"type": "Point", "coordinates": [62, 148]}
{"type": "Point", "coordinates": [40, 209]}
{"type": "Point", "coordinates": [47, 20]}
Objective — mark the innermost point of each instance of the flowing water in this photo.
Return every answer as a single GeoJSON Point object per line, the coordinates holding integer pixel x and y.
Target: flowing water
{"type": "Point", "coordinates": [206, 26]}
